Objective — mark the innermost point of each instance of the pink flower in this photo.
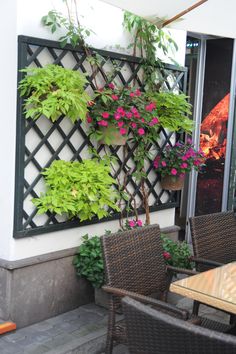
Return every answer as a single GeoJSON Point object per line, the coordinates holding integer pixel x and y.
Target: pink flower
{"type": "Point", "coordinates": [139, 222]}
{"type": "Point", "coordinates": [184, 165]}
{"type": "Point", "coordinates": [196, 162]}
{"type": "Point", "coordinates": [111, 86]}
{"type": "Point", "coordinates": [141, 131]}
{"type": "Point", "coordinates": [89, 119]}
{"type": "Point", "coordinates": [173, 171]}
{"type": "Point", "coordinates": [138, 92]}
{"type": "Point", "coordinates": [120, 110]}
{"type": "Point", "coordinates": [133, 125]}
{"type": "Point", "coordinates": [134, 110]}
{"type": "Point", "coordinates": [166, 255]}
{"type": "Point", "coordinates": [103, 123]}
{"type": "Point", "coordinates": [105, 115]}
{"type": "Point", "coordinates": [129, 114]}
{"type": "Point", "coordinates": [117, 116]}
{"type": "Point", "coordinates": [132, 223]}
{"type": "Point", "coordinates": [154, 121]}
{"type": "Point", "coordinates": [123, 131]}
{"type": "Point", "coordinates": [150, 107]}
{"type": "Point", "coordinates": [156, 162]}
{"type": "Point", "coordinates": [136, 114]}
{"type": "Point", "coordinates": [120, 124]}
{"type": "Point", "coordinates": [142, 120]}
{"type": "Point", "coordinates": [163, 163]}
{"type": "Point", "coordinates": [114, 97]}
{"type": "Point", "coordinates": [185, 157]}
{"type": "Point", "coordinates": [132, 94]}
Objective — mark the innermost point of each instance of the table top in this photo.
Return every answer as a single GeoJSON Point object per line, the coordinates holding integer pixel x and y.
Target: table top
{"type": "Point", "coordinates": [215, 287]}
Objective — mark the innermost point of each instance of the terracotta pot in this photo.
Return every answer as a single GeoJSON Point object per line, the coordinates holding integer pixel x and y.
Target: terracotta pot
{"type": "Point", "coordinates": [172, 183]}
{"type": "Point", "coordinates": [112, 136]}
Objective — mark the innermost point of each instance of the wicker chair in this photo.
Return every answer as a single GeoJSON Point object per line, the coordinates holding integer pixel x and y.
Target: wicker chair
{"type": "Point", "coordinates": [214, 242]}
{"type": "Point", "coordinates": [214, 239]}
{"type": "Point", "coordinates": [152, 332]}
{"type": "Point", "coordinates": [135, 267]}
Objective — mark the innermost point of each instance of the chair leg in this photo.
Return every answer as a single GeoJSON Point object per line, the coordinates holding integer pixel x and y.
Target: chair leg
{"type": "Point", "coordinates": [111, 325]}
{"type": "Point", "coordinates": [196, 305]}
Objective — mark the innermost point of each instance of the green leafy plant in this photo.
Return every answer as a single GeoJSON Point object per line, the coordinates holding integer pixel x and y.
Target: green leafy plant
{"type": "Point", "coordinates": [78, 189]}
{"type": "Point", "coordinates": [172, 110]}
{"type": "Point", "coordinates": [88, 261]}
{"type": "Point", "coordinates": [177, 254]}
{"type": "Point", "coordinates": [147, 38]}
{"type": "Point", "coordinates": [53, 91]}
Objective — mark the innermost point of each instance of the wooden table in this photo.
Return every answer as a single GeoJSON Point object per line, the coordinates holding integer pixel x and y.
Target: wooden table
{"type": "Point", "coordinates": [215, 287]}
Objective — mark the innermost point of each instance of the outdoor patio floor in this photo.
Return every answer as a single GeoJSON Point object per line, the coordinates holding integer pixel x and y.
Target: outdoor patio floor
{"type": "Point", "coordinates": [81, 331]}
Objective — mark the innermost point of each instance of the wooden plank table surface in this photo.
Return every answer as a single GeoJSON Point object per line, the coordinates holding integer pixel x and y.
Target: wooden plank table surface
{"type": "Point", "coordinates": [215, 287]}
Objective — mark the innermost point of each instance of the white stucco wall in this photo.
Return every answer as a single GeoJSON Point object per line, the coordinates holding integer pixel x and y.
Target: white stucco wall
{"type": "Point", "coordinates": [24, 19]}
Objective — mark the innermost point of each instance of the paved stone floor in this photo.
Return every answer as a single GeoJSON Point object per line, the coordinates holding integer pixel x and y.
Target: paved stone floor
{"type": "Point", "coordinates": [82, 331]}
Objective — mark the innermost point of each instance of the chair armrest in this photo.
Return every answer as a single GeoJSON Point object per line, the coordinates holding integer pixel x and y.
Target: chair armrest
{"type": "Point", "coordinates": [181, 270]}
{"type": "Point", "coordinates": [161, 305]}
{"type": "Point", "coordinates": [206, 261]}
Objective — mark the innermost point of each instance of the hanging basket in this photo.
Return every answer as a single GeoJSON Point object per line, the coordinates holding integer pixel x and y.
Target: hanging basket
{"type": "Point", "coordinates": [172, 183]}
{"type": "Point", "coordinates": [112, 136]}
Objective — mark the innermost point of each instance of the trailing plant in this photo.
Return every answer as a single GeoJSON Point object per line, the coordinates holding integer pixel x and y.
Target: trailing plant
{"type": "Point", "coordinates": [172, 110]}
{"type": "Point", "coordinates": [78, 189]}
{"type": "Point", "coordinates": [53, 91]}
{"type": "Point", "coordinates": [177, 254]}
{"type": "Point", "coordinates": [147, 38]}
{"type": "Point", "coordinates": [88, 261]}
{"type": "Point", "coordinates": [75, 33]}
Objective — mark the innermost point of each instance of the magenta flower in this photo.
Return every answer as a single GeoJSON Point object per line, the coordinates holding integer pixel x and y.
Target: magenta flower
{"type": "Point", "coordinates": [120, 110]}
{"type": "Point", "coordinates": [120, 124]}
{"type": "Point", "coordinates": [111, 86]}
{"type": "Point", "coordinates": [132, 94]}
{"type": "Point", "coordinates": [141, 131]}
{"type": "Point", "coordinates": [89, 119]}
{"type": "Point", "coordinates": [184, 165]}
{"type": "Point", "coordinates": [114, 97]}
{"type": "Point", "coordinates": [173, 171]}
{"type": "Point", "coordinates": [105, 115]}
{"type": "Point", "coordinates": [117, 116]}
{"type": "Point", "coordinates": [133, 125]}
{"type": "Point", "coordinates": [132, 223]}
{"type": "Point", "coordinates": [123, 131]}
{"type": "Point", "coordinates": [166, 255]}
{"type": "Point", "coordinates": [138, 92]}
{"type": "Point", "coordinates": [139, 222]}
{"type": "Point", "coordinates": [134, 110]}
{"type": "Point", "coordinates": [103, 123]}
{"type": "Point", "coordinates": [150, 107]}
{"type": "Point", "coordinates": [129, 115]}
{"type": "Point", "coordinates": [163, 163]}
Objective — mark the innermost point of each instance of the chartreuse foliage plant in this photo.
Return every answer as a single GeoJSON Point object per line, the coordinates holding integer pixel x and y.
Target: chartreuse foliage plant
{"type": "Point", "coordinates": [88, 261]}
{"type": "Point", "coordinates": [172, 110]}
{"type": "Point", "coordinates": [78, 189]}
{"type": "Point", "coordinates": [53, 91]}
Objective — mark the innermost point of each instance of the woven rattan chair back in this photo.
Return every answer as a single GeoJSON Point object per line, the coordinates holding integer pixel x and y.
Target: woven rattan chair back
{"type": "Point", "coordinates": [214, 237]}
{"type": "Point", "coordinates": [152, 332]}
{"type": "Point", "coordinates": [134, 260]}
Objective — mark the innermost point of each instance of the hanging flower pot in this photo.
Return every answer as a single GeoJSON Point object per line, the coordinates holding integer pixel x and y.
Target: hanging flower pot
{"type": "Point", "coordinates": [173, 183]}
{"type": "Point", "coordinates": [111, 135]}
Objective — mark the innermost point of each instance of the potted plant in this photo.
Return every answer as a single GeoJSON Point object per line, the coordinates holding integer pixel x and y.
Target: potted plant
{"type": "Point", "coordinates": [53, 91]}
{"type": "Point", "coordinates": [114, 113]}
{"type": "Point", "coordinates": [78, 189]}
{"type": "Point", "coordinates": [176, 161]}
{"type": "Point", "coordinates": [88, 260]}
{"type": "Point", "coordinates": [172, 110]}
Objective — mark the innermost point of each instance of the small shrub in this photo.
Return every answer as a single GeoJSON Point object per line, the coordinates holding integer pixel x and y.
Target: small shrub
{"type": "Point", "coordinates": [177, 254]}
{"type": "Point", "coordinates": [88, 261]}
